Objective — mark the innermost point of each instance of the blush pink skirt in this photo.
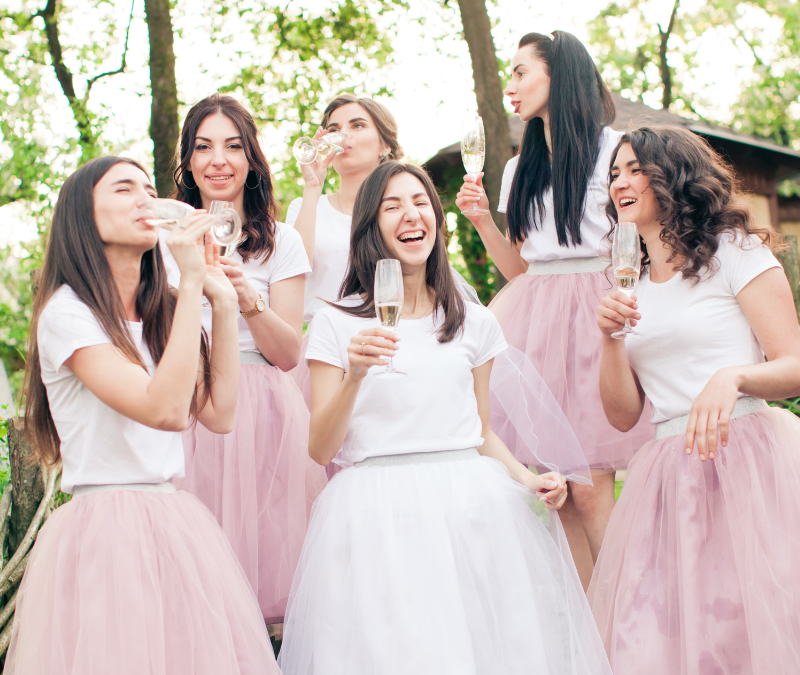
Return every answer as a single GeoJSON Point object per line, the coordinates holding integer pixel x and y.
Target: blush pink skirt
{"type": "Point", "coordinates": [135, 583]}
{"type": "Point", "coordinates": [699, 573]}
{"type": "Point", "coordinates": [259, 481]}
{"type": "Point", "coordinates": [552, 319]}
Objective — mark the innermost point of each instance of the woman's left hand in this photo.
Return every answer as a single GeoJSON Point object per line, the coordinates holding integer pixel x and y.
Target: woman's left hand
{"type": "Point", "coordinates": [245, 292]}
{"type": "Point", "coordinates": [711, 413]}
{"type": "Point", "coordinates": [216, 286]}
{"type": "Point", "coordinates": [550, 488]}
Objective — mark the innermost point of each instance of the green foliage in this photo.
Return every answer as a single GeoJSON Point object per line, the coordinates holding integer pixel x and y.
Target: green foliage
{"type": "Point", "coordinates": [467, 251]}
{"type": "Point", "coordinates": [792, 405]}
{"type": "Point", "coordinates": [5, 470]}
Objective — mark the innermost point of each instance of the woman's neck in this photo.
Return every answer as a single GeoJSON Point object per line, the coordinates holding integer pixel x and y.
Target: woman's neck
{"type": "Point", "coordinates": [344, 200]}
{"type": "Point", "coordinates": [547, 138]}
{"type": "Point", "coordinates": [238, 204]}
{"type": "Point", "coordinates": [417, 302]}
{"type": "Point", "coordinates": [659, 253]}
{"type": "Point", "coordinates": [125, 269]}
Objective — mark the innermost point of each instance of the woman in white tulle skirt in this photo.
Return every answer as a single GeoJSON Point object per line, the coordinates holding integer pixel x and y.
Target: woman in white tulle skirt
{"type": "Point", "coordinates": [427, 556]}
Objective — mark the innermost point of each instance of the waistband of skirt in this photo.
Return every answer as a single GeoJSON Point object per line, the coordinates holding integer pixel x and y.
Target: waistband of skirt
{"type": "Point", "coordinates": [568, 266]}
{"type": "Point", "coordinates": [677, 425]}
{"type": "Point", "coordinates": [167, 487]}
{"type": "Point", "coordinates": [253, 357]}
{"type": "Point", "coordinates": [420, 458]}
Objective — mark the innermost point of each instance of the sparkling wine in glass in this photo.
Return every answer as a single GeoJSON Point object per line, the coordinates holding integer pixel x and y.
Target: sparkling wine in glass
{"type": "Point", "coordinates": [166, 213]}
{"type": "Point", "coordinates": [389, 302]}
{"type": "Point", "coordinates": [306, 150]}
{"type": "Point", "coordinates": [473, 152]}
{"type": "Point", "coordinates": [626, 257]}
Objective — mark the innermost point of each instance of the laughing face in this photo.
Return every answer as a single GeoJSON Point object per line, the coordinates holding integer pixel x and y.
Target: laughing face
{"type": "Point", "coordinates": [219, 165]}
{"type": "Point", "coordinates": [407, 221]}
{"type": "Point", "coordinates": [629, 190]}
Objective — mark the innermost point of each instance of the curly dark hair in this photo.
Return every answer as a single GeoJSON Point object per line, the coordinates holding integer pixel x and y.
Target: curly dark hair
{"type": "Point", "coordinates": [697, 194]}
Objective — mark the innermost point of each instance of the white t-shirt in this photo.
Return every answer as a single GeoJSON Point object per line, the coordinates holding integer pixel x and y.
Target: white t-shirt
{"type": "Point", "coordinates": [99, 446]}
{"type": "Point", "coordinates": [542, 243]}
{"type": "Point", "coordinates": [288, 260]}
{"type": "Point", "coordinates": [331, 251]}
{"type": "Point", "coordinates": [690, 332]}
{"type": "Point", "coordinates": [433, 408]}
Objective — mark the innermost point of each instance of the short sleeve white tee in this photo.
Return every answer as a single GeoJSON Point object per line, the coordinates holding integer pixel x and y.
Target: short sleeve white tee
{"type": "Point", "coordinates": [331, 252]}
{"type": "Point", "coordinates": [434, 407]}
{"type": "Point", "coordinates": [288, 260]}
{"type": "Point", "coordinates": [542, 244]}
{"type": "Point", "coordinates": [688, 332]}
{"type": "Point", "coordinates": [99, 446]}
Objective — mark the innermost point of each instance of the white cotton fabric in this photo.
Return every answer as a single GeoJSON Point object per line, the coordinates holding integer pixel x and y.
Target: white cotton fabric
{"type": "Point", "coordinates": [542, 244]}
{"type": "Point", "coordinates": [434, 407]}
{"type": "Point", "coordinates": [99, 446]}
{"type": "Point", "coordinates": [691, 331]}
{"type": "Point", "coordinates": [331, 251]}
{"type": "Point", "coordinates": [288, 260]}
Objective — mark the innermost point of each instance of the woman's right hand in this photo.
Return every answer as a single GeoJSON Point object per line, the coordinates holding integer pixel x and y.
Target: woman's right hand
{"type": "Point", "coordinates": [471, 194]}
{"type": "Point", "coordinates": [186, 243]}
{"type": "Point", "coordinates": [613, 310]}
{"type": "Point", "coordinates": [314, 174]}
{"type": "Point", "coordinates": [366, 348]}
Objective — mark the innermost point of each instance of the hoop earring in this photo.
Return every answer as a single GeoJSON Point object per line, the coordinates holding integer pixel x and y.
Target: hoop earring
{"type": "Point", "coordinates": [256, 185]}
{"type": "Point", "coordinates": [183, 180]}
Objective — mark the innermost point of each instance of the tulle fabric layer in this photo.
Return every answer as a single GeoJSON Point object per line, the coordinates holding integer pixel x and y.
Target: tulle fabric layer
{"type": "Point", "coordinates": [699, 573]}
{"type": "Point", "coordinates": [436, 569]}
{"type": "Point", "coordinates": [553, 320]}
{"type": "Point", "coordinates": [259, 481]}
{"type": "Point", "coordinates": [129, 583]}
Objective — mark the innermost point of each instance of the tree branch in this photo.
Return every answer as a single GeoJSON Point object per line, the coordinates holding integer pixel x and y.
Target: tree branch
{"type": "Point", "coordinates": [666, 73]}
{"type": "Point", "coordinates": [124, 57]}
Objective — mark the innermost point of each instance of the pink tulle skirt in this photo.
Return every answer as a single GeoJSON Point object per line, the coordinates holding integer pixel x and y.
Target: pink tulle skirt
{"type": "Point", "coordinates": [302, 376]}
{"type": "Point", "coordinates": [259, 481]}
{"type": "Point", "coordinates": [699, 573]}
{"type": "Point", "coordinates": [553, 320]}
{"type": "Point", "coordinates": [135, 583]}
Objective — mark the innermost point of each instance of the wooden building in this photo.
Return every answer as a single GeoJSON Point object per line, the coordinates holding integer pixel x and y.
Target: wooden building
{"type": "Point", "coordinates": [759, 163]}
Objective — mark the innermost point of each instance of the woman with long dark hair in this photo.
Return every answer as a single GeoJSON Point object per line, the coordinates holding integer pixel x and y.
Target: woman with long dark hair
{"type": "Point", "coordinates": [258, 479]}
{"type": "Point", "coordinates": [131, 576]}
{"type": "Point", "coordinates": [556, 257]}
{"type": "Point", "coordinates": [426, 556]}
{"type": "Point", "coordinates": [700, 568]}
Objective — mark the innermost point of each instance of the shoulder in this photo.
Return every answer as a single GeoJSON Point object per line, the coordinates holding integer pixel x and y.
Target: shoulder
{"type": "Point", "coordinates": [286, 234]}
{"type": "Point", "coordinates": [608, 141]}
{"type": "Point", "coordinates": [481, 318]}
{"type": "Point", "coordinates": [510, 168]}
{"type": "Point", "coordinates": [293, 210]}
{"type": "Point", "coordinates": [64, 305]}
{"type": "Point", "coordinates": [742, 257]}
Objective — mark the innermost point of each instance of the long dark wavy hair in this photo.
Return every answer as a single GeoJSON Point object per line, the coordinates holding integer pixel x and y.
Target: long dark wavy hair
{"type": "Point", "coordinates": [697, 196]}
{"type": "Point", "coordinates": [579, 107]}
{"type": "Point", "coordinates": [75, 256]}
{"type": "Point", "coordinates": [260, 207]}
{"type": "Point", "coordinates": [367, 247]}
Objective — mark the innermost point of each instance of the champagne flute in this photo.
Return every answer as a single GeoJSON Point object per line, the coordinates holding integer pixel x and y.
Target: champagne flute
{"type": "Point", "coordinates": [473, 151]}
{"type": "Point", "coordinates": [222, 207]}
{"type": "Point", "coordinates": [306, 150]}
{"type": "Point", "coordinates": [626, 257]}
{"type": "Point", "coordinates": [166, 213]}
{"type": "Point", "coordinates": [389, 302]}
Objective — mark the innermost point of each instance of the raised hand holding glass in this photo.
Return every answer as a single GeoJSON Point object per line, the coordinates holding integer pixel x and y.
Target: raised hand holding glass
{"type": "Point", "coordinates": [626, 257]}
{"type": "Point", "coordinates": [473, 152]}
{"type": "Point", "coordinates": [166, 213]}
{"type": "Point", "coordinates": [306, 150]}
{"type": "Point", "coordinates": [389, 302]}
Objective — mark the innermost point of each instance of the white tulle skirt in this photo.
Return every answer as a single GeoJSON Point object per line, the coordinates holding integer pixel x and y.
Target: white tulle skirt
{"type": "Point", "coordinates": [436, 568]}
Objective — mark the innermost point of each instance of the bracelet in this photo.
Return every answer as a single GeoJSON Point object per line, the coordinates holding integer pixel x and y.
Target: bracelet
{"type": "Point", "coordinates": [260, 307]}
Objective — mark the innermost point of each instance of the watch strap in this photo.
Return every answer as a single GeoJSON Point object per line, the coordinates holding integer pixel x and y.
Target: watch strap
{"type": "Point", "coordinates": [255, 310]}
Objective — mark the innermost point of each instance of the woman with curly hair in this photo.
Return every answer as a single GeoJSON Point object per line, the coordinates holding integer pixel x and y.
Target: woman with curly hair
{"type": "Point", "coordinates": [700, 568]}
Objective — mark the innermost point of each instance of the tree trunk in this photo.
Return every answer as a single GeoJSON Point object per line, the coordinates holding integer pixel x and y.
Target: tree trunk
{"type": "Point", "coordinates": [489, 92]}
{"type": "Point", "coordinates": [666, 73]}
{"type": "Point", "coordinates": [26, 480]}
{"type": "Point", "coordinates": [791, 265]}
{"type": "Point", "coordinates": [164, 128]}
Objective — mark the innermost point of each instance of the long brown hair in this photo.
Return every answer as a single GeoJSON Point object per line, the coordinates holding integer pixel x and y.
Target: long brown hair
{"type": "Point", "coordinates": [384, 121]}
{"type": "Point", "coordinates": [260, 207]}
{"type": "Point", "coordinates": [75, 256]}
{"type": "Point", "coordinates": [697, 196]}
{"type": "Point", "coordinates": [367, 247]}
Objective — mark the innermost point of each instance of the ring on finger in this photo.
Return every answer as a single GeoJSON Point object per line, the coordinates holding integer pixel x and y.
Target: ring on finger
{"type": "Point", "coordinates": [182, 225]}
{"type": "Point", "coordinates": [363, 351]}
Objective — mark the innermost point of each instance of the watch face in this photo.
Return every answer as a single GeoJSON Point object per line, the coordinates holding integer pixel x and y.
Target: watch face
{"type": "Point", "coordinates": [261, 305]}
